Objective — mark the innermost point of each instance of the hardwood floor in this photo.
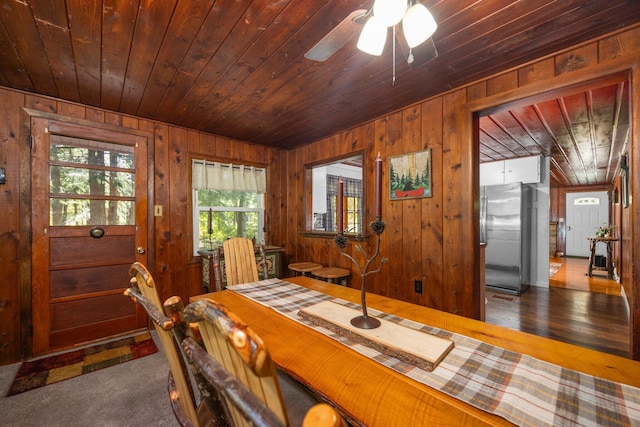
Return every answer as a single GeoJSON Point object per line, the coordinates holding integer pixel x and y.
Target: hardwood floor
{"type": "Point", "coordinates": [572, 275]}
{"type": "Point", "coordinates": [577, 309]}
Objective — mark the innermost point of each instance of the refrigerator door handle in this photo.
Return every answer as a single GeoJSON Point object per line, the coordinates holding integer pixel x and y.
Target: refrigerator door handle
{"type": "Point", "coordinates": [483, 219]}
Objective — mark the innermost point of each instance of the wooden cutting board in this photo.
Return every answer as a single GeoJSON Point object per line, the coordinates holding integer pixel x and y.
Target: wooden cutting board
{"type": "Point", "coordinates": [415, 347]}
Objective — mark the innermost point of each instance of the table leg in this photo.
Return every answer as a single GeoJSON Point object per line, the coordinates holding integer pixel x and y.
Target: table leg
{"type": "Point", "coordinates": [592, 256]}
{"type": "Point", "coordinates": [609, 260]}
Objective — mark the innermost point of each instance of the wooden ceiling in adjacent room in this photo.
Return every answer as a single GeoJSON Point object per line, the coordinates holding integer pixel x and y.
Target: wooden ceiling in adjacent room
{"type": "Point", "coordinates": [582, 131]}
{"type": "Point", "coordinates": [237, 68]}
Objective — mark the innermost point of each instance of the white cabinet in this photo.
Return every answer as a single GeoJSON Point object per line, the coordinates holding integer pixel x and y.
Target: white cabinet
{"type": "Point", "coordinates": [524, 169]}
{"type": "Point", "coordinates": [492, 173]}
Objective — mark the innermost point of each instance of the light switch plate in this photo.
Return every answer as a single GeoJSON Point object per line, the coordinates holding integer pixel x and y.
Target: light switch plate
{"type": "Point", "coordinates": [157, 210]}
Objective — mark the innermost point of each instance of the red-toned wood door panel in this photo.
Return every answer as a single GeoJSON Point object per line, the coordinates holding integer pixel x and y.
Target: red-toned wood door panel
{"type": "Point", "coordinates": [67, 283]}
{"type": "Point", "coordinates": [68, 250]}
{"type": "Point", "coordinates": [89, 217]}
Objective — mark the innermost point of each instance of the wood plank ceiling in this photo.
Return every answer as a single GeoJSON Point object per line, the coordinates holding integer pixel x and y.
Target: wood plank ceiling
{"type": "Point", "coordinates": [237, 68]}
{"type": "Point", "coordinates": [583, 132]}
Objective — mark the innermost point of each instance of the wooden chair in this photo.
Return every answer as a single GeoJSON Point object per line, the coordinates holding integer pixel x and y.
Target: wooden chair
{"type": "Point", "coordinates": [240, 261]}
{"type": "Point", "coordinates": [243, 402]}
{"type": "Point", "coordinates": [143, 291]}
{"type": "Point", "coordinates": [243, 354]}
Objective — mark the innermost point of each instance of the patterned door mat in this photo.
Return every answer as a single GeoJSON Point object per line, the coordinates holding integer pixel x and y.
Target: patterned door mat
{"type": "Point", "coordinates": [38, 373]}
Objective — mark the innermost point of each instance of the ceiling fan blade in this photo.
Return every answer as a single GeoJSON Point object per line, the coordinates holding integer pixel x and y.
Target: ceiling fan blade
{"type": "Point", "coordinates": [337, 37]}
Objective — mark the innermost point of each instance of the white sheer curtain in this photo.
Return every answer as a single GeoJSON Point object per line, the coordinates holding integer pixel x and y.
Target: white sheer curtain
{"type": "Point", "coordinates": [217, 176]}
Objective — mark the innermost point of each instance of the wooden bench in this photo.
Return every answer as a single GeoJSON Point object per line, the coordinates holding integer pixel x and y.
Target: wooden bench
{"type": "Point", "coordinates": [330, 274]}
{"type": "Point", "coordinates": [303, 267]}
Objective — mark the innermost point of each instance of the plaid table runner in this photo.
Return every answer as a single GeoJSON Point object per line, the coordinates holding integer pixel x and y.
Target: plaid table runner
{"type": "Point", "coordinates": [517, 387]}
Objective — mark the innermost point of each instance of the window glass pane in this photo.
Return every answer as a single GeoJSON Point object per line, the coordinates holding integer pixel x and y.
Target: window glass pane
{"type": "Point", "coordinates": [85, 152]}
{"type": "Point", "coordinates": [353, 215]}
{"type": "Point", "coordinates": [226, 224]}
{"type": "Point", "coordinates": [81, 181]}
{"type": "Point", "coordinates": [91, 212]}
{"type": "Point", "coordinates": [228, 199]}
{"type": "Point", "coordinates": [583, 201]}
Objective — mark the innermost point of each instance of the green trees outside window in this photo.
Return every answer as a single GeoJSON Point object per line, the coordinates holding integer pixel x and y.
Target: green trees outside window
{"type": "Point", "coordinates": [227, 214]}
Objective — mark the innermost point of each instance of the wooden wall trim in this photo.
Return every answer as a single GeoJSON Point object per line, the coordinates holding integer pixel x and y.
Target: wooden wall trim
{"type": "Point", "coordinates": [24, 278]}
{"type": "Point", "coordinates": [86, 123]}
{"type": "Point", "coordinates": [634, 242]}
{"type": "Point", "coordinates": [615, 71]}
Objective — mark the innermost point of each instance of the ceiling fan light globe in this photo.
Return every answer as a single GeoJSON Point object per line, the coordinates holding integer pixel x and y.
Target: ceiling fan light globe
{"type": "Point", "coordinates": [373, 37]}
{"type": "Point", "coordinates": [418, 25]}
{"type": "Point", "coordinates": [390, 12]}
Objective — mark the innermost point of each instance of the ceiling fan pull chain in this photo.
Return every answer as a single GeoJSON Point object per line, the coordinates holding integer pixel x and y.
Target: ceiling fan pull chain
{"type": "Point", "coordinates": [393, 82]}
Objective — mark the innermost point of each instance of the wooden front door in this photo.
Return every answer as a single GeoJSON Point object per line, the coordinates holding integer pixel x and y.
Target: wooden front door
{"type": "Point", "coordinates": [89, 223]}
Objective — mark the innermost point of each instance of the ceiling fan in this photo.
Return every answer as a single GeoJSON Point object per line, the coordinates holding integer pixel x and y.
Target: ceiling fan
{"type": "Point", "coordinates": [372, 40]}
{"type": "Point", "coordinates": [340, 35]}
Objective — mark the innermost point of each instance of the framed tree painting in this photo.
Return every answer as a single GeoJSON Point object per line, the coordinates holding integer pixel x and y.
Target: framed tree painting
{"type": "Point", "coordinates": [410, 175]}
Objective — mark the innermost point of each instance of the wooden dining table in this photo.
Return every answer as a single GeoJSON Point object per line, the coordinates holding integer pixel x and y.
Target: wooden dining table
{"type": "Point", "coordinates": [369, 393]}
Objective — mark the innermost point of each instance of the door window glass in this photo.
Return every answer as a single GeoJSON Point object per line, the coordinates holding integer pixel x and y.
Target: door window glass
{"type": "Point", "coordinates": [90, 183]}
{"type": "Point", "coordinates": [584, 201]}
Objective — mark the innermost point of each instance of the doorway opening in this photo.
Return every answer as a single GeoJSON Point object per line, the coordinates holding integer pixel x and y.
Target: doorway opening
{"type": "Point", "coordinates": [553, 125]}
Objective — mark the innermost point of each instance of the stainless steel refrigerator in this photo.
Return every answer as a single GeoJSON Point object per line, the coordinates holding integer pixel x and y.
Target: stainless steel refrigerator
{"type": "Point", "coordinates": [505, 226]}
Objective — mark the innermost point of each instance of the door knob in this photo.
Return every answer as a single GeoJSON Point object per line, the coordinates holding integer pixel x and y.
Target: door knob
{"type": "Point", "coordinates": [140, 249]}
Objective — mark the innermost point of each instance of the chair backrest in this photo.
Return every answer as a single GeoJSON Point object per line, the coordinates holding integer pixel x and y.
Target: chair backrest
{"type": "Point", "coordinates": [143, 291]}
{"type": "Point", "coordinates": [233, 344]}
{"type": "Point", "coordinates": [240, 261]}
{"type": "Point", "coordinates": [243, 395]}
{"type": "Point", "coordinates": [243, 405]}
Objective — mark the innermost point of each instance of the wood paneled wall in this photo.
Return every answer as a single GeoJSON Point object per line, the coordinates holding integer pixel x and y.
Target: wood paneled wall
{"type": "Point", "coordinates": [424, 239]}
{"type": "Point", "coordinates": [170, 258]}
{"type": "Point", "coordinates": [177, 272]}
{"type": "Point", "coordinates": [432, 239]}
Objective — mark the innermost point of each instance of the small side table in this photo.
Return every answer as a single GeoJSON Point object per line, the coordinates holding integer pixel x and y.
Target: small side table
{"type": "Point", "coordinates": [592, 255]}
{"type": "Point", "coordinates": [304, 267]}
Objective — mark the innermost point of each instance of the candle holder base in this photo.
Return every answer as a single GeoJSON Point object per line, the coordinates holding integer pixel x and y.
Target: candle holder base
{"type": "Point", "coordinates": [365, 322]}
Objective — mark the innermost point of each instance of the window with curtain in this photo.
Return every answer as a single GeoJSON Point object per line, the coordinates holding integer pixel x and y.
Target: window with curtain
{"type": "Point", "coordinates": [228, 201]}
{"type": "Point", "coordinates": [352, 204]}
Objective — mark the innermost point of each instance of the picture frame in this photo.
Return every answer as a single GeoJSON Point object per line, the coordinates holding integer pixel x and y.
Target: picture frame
{"type": "Point", "coordinates": [410, 176]}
